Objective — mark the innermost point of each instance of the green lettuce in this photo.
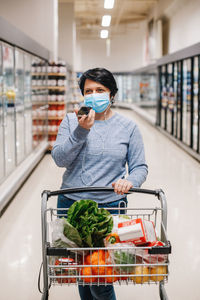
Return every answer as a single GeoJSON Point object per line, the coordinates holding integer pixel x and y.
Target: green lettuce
{"type": "Point", "coordinates": [92, 224]}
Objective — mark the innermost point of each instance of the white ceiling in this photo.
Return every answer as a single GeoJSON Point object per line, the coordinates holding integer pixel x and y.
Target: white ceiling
{"type": "Point", "coordinates": [125, 14]}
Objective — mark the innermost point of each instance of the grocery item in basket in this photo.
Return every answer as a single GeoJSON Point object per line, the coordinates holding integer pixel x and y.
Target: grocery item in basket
{"type": "Point", "coordinates": [141, 274]}
{"type": "Point", "coordinates": [68, 268]}
{"type": "Point", "coordinates": [143, 254]}
{"type": "Point", "coordinates": [139, 231]}
{"type": "Point", "coordinates": [87, 271]}
{"type": "Point", "coordinates": [111, 239]}
{"type": "Point", "coordinates": [95, 266]}
{"type": "Point", "coordinates": [98, 258]}
{"type": "Point", "coordinates": [64, 235]}
{"type": "Point", "coordinates": [123, 257]}
{"type": "Point", "coordinates": [159, 273]}
{"type": "Point", "coordinates": [92, 223]}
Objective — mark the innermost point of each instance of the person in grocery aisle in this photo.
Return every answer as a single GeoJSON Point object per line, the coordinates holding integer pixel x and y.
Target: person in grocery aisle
{"type": "Point", "coordinates": [95, 149]}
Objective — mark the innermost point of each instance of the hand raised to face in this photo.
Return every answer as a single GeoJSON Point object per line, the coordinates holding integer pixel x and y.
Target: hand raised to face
{"type": "Point", "coordinates": [86, 121]}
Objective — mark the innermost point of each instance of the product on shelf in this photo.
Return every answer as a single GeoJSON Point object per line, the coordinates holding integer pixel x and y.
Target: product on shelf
{"type": "Point", "coordinates": [57, 83]}
{"type": "Point", "coordinates": [39, 100]}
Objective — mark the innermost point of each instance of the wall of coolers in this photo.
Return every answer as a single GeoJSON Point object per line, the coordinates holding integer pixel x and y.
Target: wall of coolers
{"type": "Point", "coordinates": [179, 109]}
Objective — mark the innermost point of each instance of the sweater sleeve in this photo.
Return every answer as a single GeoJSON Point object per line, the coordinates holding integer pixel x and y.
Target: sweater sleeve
{"type": "Point", "coordinates": [137, 167]}
{"type": "Point", "coordinates": [68, 144]}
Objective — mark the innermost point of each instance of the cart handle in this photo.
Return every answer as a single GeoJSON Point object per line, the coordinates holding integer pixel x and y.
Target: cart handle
{"type": "Point", "coordinates": [98, 189]}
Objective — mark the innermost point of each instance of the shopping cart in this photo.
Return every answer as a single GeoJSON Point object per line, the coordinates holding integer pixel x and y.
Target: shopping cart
{"type": "Point", "coordinates": [129, 264]}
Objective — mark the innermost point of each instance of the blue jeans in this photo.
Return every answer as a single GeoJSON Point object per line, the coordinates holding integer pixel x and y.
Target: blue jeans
{"type": "Point", "coordinates": [94, 292]}
{"type": "Point", "coordinates": [65, 202]}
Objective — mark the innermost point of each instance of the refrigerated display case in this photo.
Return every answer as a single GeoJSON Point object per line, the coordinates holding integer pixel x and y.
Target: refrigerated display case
{"type": "Point", "coordinates": [18, 53]}
{"type": "Point", "coordinates": [196, 104]}
{"type": "Point", "coordinates": [2, 165]}
{"type": "Point", "coordinates": [138, 88]}
{"type": "Point", "coordinates": [19, 106]}
{"type": "Point", "coordinates": [16, 93]}
{"type": "Point", "coordinates": [8, 107]}
{"type": "Point", "coordinates": [125, 87]}
{"type": "Point", "coordinates": [179, 101]}
{"type": "Point", "coordinates": [27, 104]}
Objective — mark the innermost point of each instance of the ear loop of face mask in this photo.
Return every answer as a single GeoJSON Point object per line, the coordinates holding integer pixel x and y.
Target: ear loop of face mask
{"type": "Point", "coordinates": [105, 112]}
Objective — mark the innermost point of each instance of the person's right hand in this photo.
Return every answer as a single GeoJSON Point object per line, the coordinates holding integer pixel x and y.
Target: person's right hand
{"type": "Point", "coordinates": [86, 121]}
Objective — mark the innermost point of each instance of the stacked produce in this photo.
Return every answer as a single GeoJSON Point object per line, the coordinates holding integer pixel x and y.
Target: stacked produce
{"type": "Point", "coordinates": [122, 246]}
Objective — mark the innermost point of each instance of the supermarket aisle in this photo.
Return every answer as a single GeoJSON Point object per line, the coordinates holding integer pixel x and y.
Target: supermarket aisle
{"type": "Point", "coordinates": [169, 168]}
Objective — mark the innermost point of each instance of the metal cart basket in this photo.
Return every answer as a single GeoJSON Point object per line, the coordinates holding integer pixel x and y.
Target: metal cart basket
{"type": "Point", "coordinates": [122, 264]}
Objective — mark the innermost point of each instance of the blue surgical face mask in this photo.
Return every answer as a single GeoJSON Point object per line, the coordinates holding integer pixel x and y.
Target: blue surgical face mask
{"type": "Point", "coordinates": [98, 101]}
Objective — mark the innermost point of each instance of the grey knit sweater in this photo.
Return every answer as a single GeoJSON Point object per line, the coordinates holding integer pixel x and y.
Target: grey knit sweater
{"type": "Point", "coordinates": [98, 157]}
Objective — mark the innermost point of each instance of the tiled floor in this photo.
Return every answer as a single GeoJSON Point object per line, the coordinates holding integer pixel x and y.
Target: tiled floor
{"type": "Point", "coordinates": [169, 168]}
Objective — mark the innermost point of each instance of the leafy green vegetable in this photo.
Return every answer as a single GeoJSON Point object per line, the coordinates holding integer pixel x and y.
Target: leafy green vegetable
{"type": "Point", "coordinates": [93, 224]}
{"type": "Point", "coordinates": [71, 233]}
{"type": "Point", "coordinates": [123, 257]}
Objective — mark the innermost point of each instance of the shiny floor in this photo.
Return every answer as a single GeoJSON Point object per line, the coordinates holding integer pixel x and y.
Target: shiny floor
{"type": "Point", "coordinates": [170, 168]}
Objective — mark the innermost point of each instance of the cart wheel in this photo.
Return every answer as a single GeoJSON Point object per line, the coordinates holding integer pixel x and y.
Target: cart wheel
{"type": "Point", "coordinates": [162, 292]}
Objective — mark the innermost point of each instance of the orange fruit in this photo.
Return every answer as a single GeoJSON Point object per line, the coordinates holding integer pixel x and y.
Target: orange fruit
{"type": "Point", "coordinates": [110, 271]}
{"type": "Point", "coordinates": [97, 258]}
{"type": "Point", "coordinates": [87, 271]}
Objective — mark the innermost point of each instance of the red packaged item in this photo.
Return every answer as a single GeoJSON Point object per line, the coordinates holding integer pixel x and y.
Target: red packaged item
{"type": "Point", "coordinates": [138, 231]}
{"type": "Point", "coordinates": [70, 270]}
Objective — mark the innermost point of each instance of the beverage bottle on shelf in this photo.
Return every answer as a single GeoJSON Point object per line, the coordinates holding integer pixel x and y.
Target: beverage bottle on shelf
{"type": "Point", "coordinates": [44, 68]}
{"type": "Point", "coordinates": [33, 80]}
{"type": "Point", "coordinates": [58, 123]}
{"type": "Point", "coordinates": [60, 96]}
{"type": "Point", "coordinates": [53, 80]}
{"type": "Point", "coordinates": [54, 67]}
{"type": "Point", "coordinates": [61, 81]}
{"type": "Point", "coordinates": [59, 66]}
{"type": "Point", "coordinates": [33, 67]}
{"type": "Point", "coordinates": [39, 67]}
{"type": "Point", "coordinates": [62, 67]}
{"type": "Point", "coordinates": [53, 96]}
{"type": "Point", "coordinates": [34, 126]}
{"type": "Point", "coordinates": [39, 81]}
{"type": "Point", "coordinates": [60, 110]}
{"type": "Point", "coordinates": [49, 68]}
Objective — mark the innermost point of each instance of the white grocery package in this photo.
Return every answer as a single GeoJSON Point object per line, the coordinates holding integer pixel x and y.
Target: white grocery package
{"type": "Point", "coordinates": [138, 231]}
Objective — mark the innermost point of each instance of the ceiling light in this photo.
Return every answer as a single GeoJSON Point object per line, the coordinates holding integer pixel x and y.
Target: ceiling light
{"type": "Point", "coordinates": [104, 34]}
{"type": "Point", "coordinates": [108, 4]}
{"type": "Point", "coordinates": [106, 20]}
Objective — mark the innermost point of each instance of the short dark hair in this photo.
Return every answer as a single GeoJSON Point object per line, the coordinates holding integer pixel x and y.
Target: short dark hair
{"type": "Point", "coordinates": [102, 76]}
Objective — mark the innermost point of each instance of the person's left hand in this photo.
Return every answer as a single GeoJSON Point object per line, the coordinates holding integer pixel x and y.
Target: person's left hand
{"type": "Point", "coordinates": [122, 186]}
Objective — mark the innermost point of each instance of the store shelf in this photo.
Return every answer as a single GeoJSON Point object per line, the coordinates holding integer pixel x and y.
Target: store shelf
{"type": "Point", "coordinates": [39, 88]}
{"type": "Point", "coordinates": [56, 102]}
{"type": "Point", "coordinates": [49, 118]}
{"type": "Point", "coordinates": [57, 74]}
{"type": "Point", "coordinates": [39, 103]}
{"type": "Point", "coordinates": [61, 88]}
{"type": "Point", "coordinates": [39, 133]}
{"type": "Point", "coordinates": [52, 133]}
{"type": "Point", "coordinates": [56, 92]}
{"type": "Point", "coordinates": [74, 102]}
{"type": "Point", "coordinates": [38, 74]}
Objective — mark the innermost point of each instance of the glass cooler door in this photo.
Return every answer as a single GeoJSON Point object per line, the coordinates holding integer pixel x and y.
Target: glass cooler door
{"type": "Point", "coordinates": [27, 104]}
{"type": "Point", "coordinates": [8, 111]}
{"type": "Point", "coordinates": [2, 166]}
{"type": "Point", "coordinates": [19, 104]}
